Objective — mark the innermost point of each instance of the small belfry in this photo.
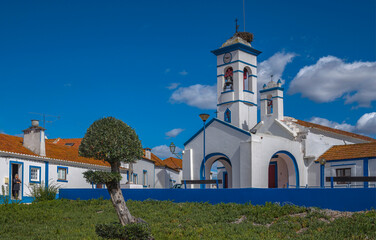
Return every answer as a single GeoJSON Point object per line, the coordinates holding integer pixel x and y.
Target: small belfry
{"type": "Point", "coordinates": [271, 101]}
{"type": "Point", "coordinates": [237, 81]}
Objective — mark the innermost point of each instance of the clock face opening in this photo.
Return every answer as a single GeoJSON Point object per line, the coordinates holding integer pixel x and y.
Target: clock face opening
{"type": "Point", "coordinates": [227, 58]}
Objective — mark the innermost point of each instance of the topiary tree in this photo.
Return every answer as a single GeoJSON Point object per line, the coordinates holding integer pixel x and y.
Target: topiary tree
{"type": "Point", "coordinates": [112, 141]}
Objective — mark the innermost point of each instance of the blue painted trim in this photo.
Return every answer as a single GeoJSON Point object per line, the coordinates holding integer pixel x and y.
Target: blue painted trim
{"type": "Point", "coordinates": [66, 175]}
{"type": "Point", "coordinates": [254, 104]}
{"type": "Point", "coordinates": [227, 91]}
{"type": "Point", "coordinates": [202, 168]}
{"type": "Point", "coordinates": [40, 174]}
{"type": "Point", "coordinates": [210, 122]}
{"type": "Point", "coordinates": [248, 91]}
{"type": "Point", "coordinates": [252, 75]}
{"type": "Point", "coordinates": [343, 160]}
{"type": "Point", "coordinates": [238, 71]}
{"type": "Point", "coordinates": [145, 184]}
{"type": "Point", "coordinates": [297, 182]}
{"type": "Point", "coordinates": [128, 175]}
{"type": "Point", "coordinates": [277, 97]}
{"type": "Point", "coordinates": [275, 172]}
{"type": "Point", "coordinates": [220, 75]}
{"type": "Point", "coordinates": [322, 176]}
{"type": "Point", "coordinates": [220, 167]}
{"type": "Point", "coordinates": [46, 177]}
{"type": "Point", "coordinates": [225, 116]}
{"type": "Point", "coordinates": [235, 62]}
{"type": "Point", "coordinates": [11, 178]}
{"type": "Point", "coordinates": [345, 164]}
{"type": "Point", "coordinates": [224, 173]}
{"type": "Point", "coordinates": [271, 89]}
{"type": "Point", "coordinates": [237, 46]}
{"type": "Point", "coordinates": [365, 171]}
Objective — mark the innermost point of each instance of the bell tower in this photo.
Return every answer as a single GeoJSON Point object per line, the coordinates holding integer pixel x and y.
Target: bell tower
{"type": "Point", "coordinates": [237, 81]}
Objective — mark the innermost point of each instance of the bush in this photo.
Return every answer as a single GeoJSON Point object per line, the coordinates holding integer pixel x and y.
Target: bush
{"type": "Point", "coordinates": [132, 231]}
{"type": "Point", "coordinates": [42, 193]}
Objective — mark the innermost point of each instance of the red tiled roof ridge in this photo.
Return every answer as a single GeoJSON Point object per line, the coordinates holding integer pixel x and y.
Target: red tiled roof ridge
{"type": "Point", "coordinates": [329, 129]}
{"type": "Point", "coordinates": [349, 151]}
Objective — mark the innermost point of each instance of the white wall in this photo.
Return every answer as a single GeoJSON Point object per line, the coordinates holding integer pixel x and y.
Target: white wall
{"type": "Point", "coordinates": [144, 165]}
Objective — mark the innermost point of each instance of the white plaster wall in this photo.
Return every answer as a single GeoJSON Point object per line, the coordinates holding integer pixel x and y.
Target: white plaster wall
{"type": "Point", "coordinates": [173, 178]}
{"type": "Point", "coordinates": [160, 177]}
{"type": "Point", "coordinates": [313, 179]}
{"type": "Point", "coordinates": [356, 171]}
{"type": "Point", "coordinates": [263, 148]}
{"type": "Point", "coordinates": [219, 139]}
{"type": "Point", "coordinates": [139, 168]}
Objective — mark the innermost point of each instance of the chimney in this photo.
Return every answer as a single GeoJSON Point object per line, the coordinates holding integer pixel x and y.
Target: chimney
{"type": "Point", "coordinates": [148, 153]}
{"type": "Point", "coordinates": [34, 138]}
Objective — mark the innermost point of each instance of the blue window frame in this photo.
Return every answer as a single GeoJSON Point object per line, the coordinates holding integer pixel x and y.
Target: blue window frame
{"type": "Point", "coordinates": [227, 116]}
{"type": "Point", "coordinates": [145, 178]}
{"type": "Point", "coordinates": [34, 174]}
{"type": "Point", "coordinates": [62, 174]}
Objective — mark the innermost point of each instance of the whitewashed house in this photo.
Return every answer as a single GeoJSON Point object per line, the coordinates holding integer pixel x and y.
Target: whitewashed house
{"type": "Point", "coordinates": [276, 151]}
{"type": "Point", "coordinates": [37, 160]}
{"type": "Point", "coordinates": [40, 161]}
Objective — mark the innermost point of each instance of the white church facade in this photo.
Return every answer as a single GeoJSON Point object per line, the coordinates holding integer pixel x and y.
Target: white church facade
{"type": "Point", "coordinates": [275, 152]}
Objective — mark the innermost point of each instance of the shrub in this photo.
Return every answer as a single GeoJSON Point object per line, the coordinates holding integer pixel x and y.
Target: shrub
{"type": "Point", "coordinates": [132, 231]}
{"type": "Point", "coordinates": [4, 197]}
{"type": "Point", "coordinates": [42, 193]}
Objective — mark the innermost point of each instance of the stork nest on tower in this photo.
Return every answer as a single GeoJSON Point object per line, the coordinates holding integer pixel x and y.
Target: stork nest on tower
{"type": "Point", "coordinates": [246, 36]}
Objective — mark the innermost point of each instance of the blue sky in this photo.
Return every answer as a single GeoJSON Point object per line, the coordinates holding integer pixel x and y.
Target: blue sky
{"type": "Point", "coordinates": [141, 61]}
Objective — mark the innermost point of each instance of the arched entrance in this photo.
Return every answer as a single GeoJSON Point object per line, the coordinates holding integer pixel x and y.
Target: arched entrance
{"type": "Point", "coordinates": [283, 171]}
{"type": "Point", "coordinates": [224, 160]}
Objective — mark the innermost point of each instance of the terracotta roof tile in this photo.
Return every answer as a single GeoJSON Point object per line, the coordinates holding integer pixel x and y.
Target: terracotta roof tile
{"type": "Point", "coordinates": [14, 144]}
{"type": "Point", "coordinates": [175, 163]}
{"type": "Point", "coordinates": [337, 131]}
{"type": "Point", "coordinates": [350, 151]}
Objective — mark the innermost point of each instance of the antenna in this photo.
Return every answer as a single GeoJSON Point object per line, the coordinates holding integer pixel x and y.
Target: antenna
{"type": "Point", "coordinates": [44, 118]}
{"type": "Point", "coordinates": [244, 14]}
{"type": "Point", "coordinates": [236, 25]}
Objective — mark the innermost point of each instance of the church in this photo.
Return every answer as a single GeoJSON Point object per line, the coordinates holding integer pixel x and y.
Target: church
{"type": "Point", "coordinates": [277, 151]}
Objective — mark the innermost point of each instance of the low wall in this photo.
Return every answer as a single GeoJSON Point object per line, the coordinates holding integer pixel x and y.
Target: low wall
{"type": "Point", "coordinates": [345, 199]}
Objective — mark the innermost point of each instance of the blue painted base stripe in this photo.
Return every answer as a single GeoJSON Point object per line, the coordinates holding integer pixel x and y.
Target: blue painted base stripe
{"type": "Point", "coordinates": [343, 199]}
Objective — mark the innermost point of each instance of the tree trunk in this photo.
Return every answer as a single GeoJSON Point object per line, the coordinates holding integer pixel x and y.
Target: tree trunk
{"type": "Point", "coordinates": [117, 199]}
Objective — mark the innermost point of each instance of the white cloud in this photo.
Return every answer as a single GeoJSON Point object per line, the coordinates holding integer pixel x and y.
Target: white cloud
{"type": "Point", "coordinates": [331, 78]}
{"type": "Point", "coordinates": [341, 126]}
{"type": "Point", "coordinates": [275, 65]}
{"type": "Point", "coordinates": [365, 125]}
{"type": "Point", "coordinates": [201, 96]}
{"type": "Point", "coordinates": [163, 151]}
{"type": "Point", "coordinates": [183, 73]}
{"type": "Point", "coordinates": [173, 86]}
{"type": "Point", "coordinates": [174, 132]}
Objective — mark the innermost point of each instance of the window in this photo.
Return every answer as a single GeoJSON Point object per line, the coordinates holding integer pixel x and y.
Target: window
{"type": "Point", "coordinates": [227, 116]}
{"type": "Point", "coordinates": [62, 174]}
{"type": "Point", "coordinates": [228, 79]}
{"type": "Point", "coordinates": [35, 174]}
{"type": "Point", "coordinates": [343, 172]}
{"type": "Point", "coordinates": [145, 178]}
{"type": "Point", "coordinates": [69, 144]}
{"type": "Point", "coordinates": [245, 79]}
{"type": "Point", "coordinates": [269, 105]}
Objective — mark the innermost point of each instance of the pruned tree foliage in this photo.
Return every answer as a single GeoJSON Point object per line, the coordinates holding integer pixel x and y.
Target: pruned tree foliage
{"type": "Point", "coordinates": [113, 141]}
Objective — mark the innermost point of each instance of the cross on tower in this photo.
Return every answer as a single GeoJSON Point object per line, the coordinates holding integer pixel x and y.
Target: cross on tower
{"type": "Point", "coordinates": [236, 25]}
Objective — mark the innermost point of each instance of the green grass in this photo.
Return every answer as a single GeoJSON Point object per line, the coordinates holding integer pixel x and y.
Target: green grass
{"type": "Point", "coordinates": [65, 219]}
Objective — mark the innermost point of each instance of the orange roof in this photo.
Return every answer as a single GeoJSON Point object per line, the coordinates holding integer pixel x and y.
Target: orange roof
{"type": "Point", "coordinates": [350, 151]}
{"type": "Point", "coordinates": [337, 131]}
{"type": "Point", "coordinates": [175, 163]}
{"type": "Point", "coordinates": [73, 142]}
{"type": "Point", "coordinates": [14, 144]}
